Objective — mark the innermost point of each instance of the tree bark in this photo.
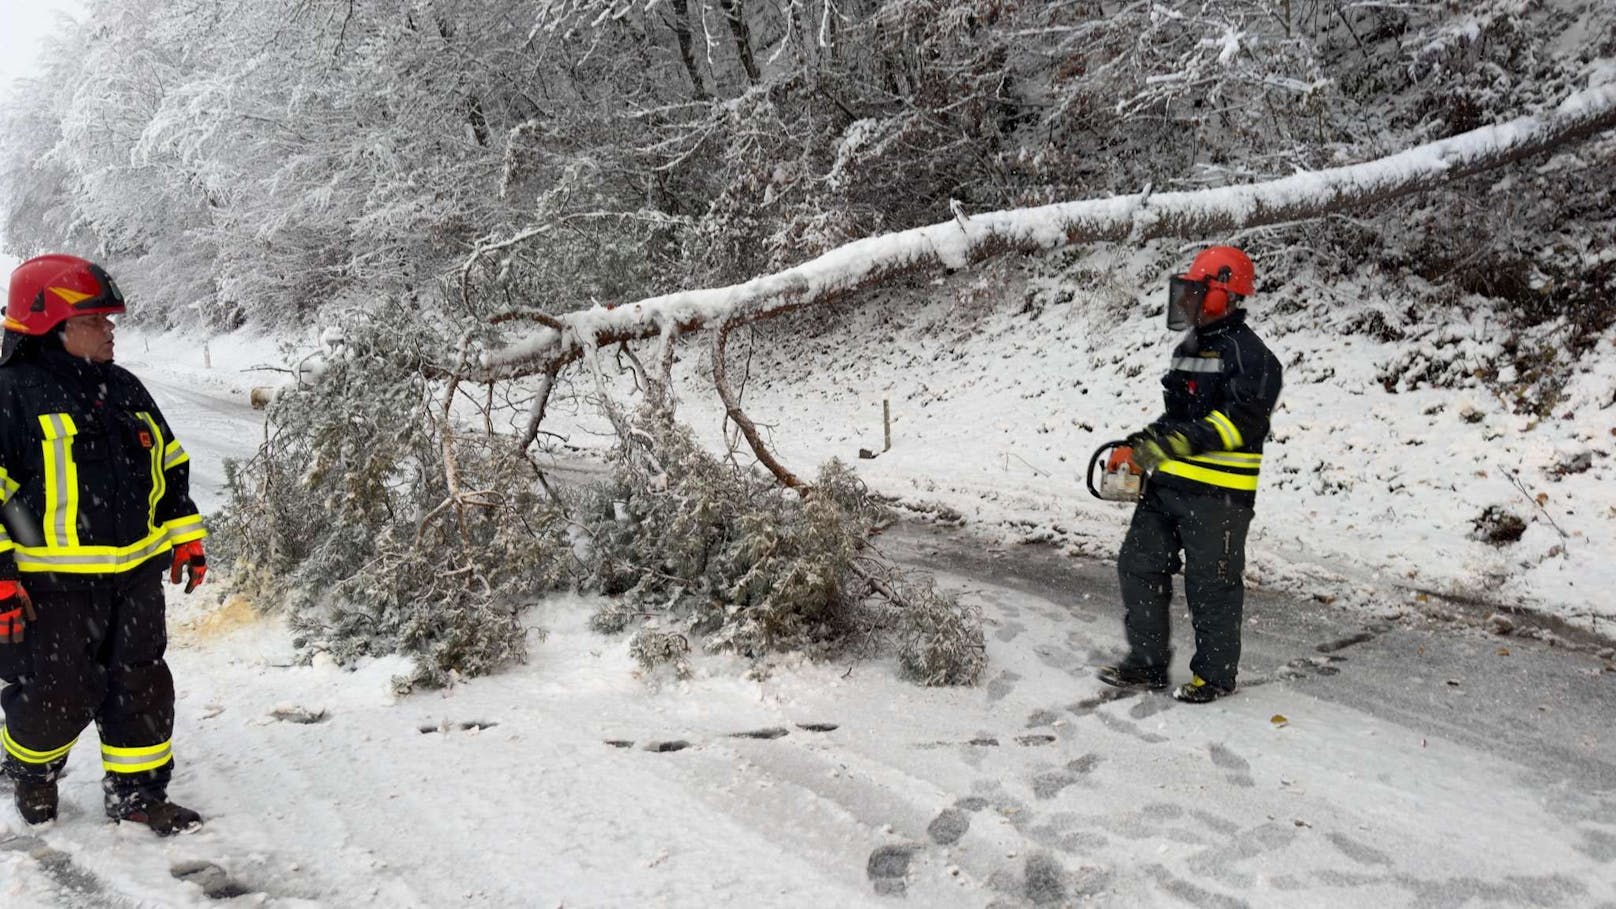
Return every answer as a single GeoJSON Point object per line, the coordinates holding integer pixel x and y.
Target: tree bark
{"type": "Point", "coordinates": [687, 53]}
{"type": "Point", "coordinates": [478, 121]}
{"type": "Point", "coordinates": [735, 12]}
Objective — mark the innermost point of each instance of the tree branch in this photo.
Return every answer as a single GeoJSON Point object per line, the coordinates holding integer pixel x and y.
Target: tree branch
{"type": "Point", "coordinates": [732, 409]}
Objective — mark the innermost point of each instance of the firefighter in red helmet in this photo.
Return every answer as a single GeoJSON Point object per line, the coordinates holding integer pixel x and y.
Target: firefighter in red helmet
{"type": "Point", "coordinates": [1201, 459]}
{"type": "Point", "coordinates": [96, 503]}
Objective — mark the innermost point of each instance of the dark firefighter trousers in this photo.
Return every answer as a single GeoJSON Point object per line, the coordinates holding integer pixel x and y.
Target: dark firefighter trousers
{"type": "Point", "coordinates": [93, 654]}
{"type": "Point", "coordinates": [1210, 530]}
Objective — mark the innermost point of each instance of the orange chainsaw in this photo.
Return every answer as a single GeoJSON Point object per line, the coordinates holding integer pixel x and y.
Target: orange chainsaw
{"type": "Point", "coordinates": [1120, 480]}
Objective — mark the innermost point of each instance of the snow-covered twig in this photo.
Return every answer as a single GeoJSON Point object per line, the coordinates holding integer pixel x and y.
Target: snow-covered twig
{"type": "Point", "coordinates": [1515, 477]}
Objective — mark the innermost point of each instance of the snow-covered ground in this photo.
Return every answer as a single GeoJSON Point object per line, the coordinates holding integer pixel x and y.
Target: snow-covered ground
{"type": "Point", "coordinates": [1331, 779]}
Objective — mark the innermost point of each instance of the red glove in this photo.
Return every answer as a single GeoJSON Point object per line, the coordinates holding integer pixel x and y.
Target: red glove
{"type": "Point", "coordinates": [15, 610]}
{"type": "Point", "coordinates": [190, 557]}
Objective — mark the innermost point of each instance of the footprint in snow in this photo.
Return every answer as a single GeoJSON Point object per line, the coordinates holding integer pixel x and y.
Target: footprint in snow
{"type": "Point", "coordinates": [1042, 718]}
{"type": "Point", "coordinates": [467, 726]}
{"type": "Point", "coordinates": [1099, 699]}
{"type": "Point", "coordinates": [216, 883]}
{"type": "Point", "coordinates": [765, 734]}
{"type": "Point", "coordinates": [1238, 768]}
{"type": "Point", "coordinates": [1001, 685]}
{"type": "Point", "coordinates": [948, 827]}
{"type": "Point", "coordinates": [772, 732]}
{"type": "Point", "coordinates": [887, 868]}
{"type": "Point", "coordinates": [301, 715]}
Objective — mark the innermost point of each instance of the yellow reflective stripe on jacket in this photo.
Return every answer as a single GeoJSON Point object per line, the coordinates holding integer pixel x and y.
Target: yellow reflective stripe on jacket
{"type": "Point", "coordinates": [184, 530]}
{"type": "Point", "coordinates": [30, 756]}
{"type": "Point", "coordinates": [1239, 460]}
{"type": "Point", "coordinates": [174, 455]}
{"type": "Point", "coordinates": [1227, 431]}
{"type": "Point", "coordinates": [61, 550]}
{"type": "Point", "coordinates": [92, 559]}
{"type": "Point", "coordinates": [61, 481]}
{"type": "Point", "coordinates": [8, 488]}
{"type": "Point", "coordinates": [158, 483]}
{"type": "Point", "coordinates": [136, 760]}
{"type": "Point", "coordinates": [1197, 364]}
{"type": "Point", "coordinates": [1211, 476]}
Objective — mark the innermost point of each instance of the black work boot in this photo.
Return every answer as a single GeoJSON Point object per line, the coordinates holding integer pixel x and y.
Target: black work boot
{"type": "Point", "coordinates": [1125, 676]}
{"type": "Point", "coordinates": [163, 817]}
{"type": "Point", "coordinates": [1199, 691]}
{"type": "Point", "coordinates": [36, 800]}
{"type": "Point", "coordinates": [34, 788]}
{"type": "Point", "coordinates": [144, 805]}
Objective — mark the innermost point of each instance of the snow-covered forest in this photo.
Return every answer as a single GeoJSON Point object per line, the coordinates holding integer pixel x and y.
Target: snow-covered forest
{"type": "Point", "coordinates": [579, 313]}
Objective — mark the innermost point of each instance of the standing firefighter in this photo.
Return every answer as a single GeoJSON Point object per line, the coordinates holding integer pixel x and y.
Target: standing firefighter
{"type": "Point", "coordinates": [1201, 459]}
{"type": "Point", "coordinates": [96, 492]}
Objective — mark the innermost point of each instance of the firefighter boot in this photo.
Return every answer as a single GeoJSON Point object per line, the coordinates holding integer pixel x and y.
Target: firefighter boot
{"type": "Point", "coordinates": [149, 806]}
{"type": "Point", "coordinates": [36, 800]}
{"type": "Point", "coordinates": [34, 788]}
{"type": "Point", "coordinates": [1123, 675]}
{"type": "Point", "coordinates": [1199, 691]}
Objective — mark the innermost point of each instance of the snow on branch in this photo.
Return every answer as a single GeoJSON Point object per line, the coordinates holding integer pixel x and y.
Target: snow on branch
{"type": "Point", "coordinates": [962, 240]}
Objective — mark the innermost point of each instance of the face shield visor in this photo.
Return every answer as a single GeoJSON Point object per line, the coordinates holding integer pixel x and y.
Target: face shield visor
{"type": "Point", "coordinates": [1184, 300]}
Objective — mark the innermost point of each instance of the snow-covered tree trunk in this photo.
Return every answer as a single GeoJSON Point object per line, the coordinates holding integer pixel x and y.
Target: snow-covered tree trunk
{"type": "Point", "coordinates": [971, 238]}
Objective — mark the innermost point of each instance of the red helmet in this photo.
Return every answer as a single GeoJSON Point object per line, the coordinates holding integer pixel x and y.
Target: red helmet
{"type": "Point", "coordinates": [46, 290]}
{"type": "Point", "coordinates": [1226, 269]}
{"type": "Point", "coordinates": [1218, 277]}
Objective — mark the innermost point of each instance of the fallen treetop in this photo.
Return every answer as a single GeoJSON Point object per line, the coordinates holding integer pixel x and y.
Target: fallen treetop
{"type": "Point", "coordinates": [966, 239]}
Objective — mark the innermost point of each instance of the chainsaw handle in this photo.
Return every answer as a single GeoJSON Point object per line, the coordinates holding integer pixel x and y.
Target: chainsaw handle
{"type": "Point", "coordinates": [1094, 461]}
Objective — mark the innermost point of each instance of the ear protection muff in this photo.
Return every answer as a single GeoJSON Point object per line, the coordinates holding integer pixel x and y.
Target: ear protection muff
{"type": "Point", "coordinates": [1218, 295]}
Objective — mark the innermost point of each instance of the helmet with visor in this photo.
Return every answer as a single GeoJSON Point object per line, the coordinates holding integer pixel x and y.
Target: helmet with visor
{"type": "Point", "coordinates": [1216, 282]}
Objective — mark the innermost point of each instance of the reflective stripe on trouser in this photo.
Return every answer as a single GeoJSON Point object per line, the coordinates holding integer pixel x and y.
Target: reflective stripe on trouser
{"type": "Point", "coordinates": [93, 655]}
{"type": "Point", "coordinates": [31, 757]}
{"type": "Point", "coordinates": [136, 760]}
{"type": "Point", "coordinates": [1210, 531]}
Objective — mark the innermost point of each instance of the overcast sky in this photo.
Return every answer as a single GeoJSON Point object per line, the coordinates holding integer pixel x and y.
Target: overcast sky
{"type": "Point", "coordinates": [25, 22]}
{"type": "Point", "coordinates": [22, 24]}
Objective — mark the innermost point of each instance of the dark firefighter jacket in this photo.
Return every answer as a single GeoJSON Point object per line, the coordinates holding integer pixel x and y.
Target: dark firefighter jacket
{"type": "Point", "coordinates": [102, 484]}
{"type": "Point", "coordinates": [1220, 391]}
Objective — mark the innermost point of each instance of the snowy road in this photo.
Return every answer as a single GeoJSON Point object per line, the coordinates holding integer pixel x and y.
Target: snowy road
{"type": "Point", "coordinates": [213, 424]}
{"type": "Point", "coordinates": [1387, 762]}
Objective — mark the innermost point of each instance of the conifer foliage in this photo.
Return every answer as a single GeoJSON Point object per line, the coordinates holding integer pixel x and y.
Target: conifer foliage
{"type": "Point", "coordinates": [379, 527]}
{"type": "Point", "coordinates": [750, 567]}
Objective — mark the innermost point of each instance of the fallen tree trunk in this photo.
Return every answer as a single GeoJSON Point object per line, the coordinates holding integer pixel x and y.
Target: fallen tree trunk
{"type": "Point", "coordinates": [957, 243]}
